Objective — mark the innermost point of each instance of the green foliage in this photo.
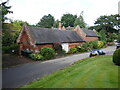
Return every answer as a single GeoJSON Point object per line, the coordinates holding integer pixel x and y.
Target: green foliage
{"type": "Point", "coordinates": [112, 37]}
{"type": "Point", "coordinates": [5, 10]}
{"type": "Point", "coordinates": [9, 37]}
{"type": "Point", "coordinates": [116, 57]}
{"type": "Point", "coordinates": [72, 50]}
{"type": "Point", "coordinates": [91, 45]}
{"type": "Point", "coordinates": [78, 48]}
{"type": "Point", "coordinates": [56, 24]}
{"type": "Point", "coordinates": [17, 24]}
{"type": "Point", "coordinates": [95, 44]}
{"type": "Point", "coordinates": [108, 23]}
{"type": "Point", "coordinates": [63, 52]}
{"type": "Point", "coordinates": [100, 44]}
{"type": "Point", "coordinates": [13, 48]}
{"type": "Point", "coordinates": [11, 32]}
{"type": "Point", "coordinates": [80, 21]}
{"type": "Point", "coordinates": [118, 37]}
{"type": "Point", "coordinates": [36, 56]}
{"type": "Point", "coordinates": [102, 35]}
{"type": "Point", "coordinates": [47, 21]}
{"type": "Point", "coordinates": [86, 46]}
{"type": "Point", "coordinates": [47, 53]}
{"type": "Point", "coordinates": [68, 20]}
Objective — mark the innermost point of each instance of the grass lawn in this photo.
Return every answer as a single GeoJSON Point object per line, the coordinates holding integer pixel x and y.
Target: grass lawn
{"type": "Point", "coordinates": [95, 72]}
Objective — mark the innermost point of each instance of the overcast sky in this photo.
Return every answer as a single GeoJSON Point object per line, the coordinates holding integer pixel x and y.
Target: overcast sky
{"type": "Point", "coordinates": [33, 10]}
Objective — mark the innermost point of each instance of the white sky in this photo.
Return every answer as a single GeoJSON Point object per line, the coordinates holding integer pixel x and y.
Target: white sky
{"type": "Point", "coordinates": [33, 10]}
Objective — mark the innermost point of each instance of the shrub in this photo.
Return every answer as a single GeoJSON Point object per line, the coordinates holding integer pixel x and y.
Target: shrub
{"type": "Point", "coordinates": [72, 50]}
{"type": "Point", "coordinates": [78, 48]}
{"type": "Point", "coordinates": [47, 53]}
{"type": "Point", "coordinates": [94, 44]}
{"type": "Point", "coordinates": [83, 49]}
{"type": "Point", "coordinates": [36, 56]}
{"type": "Point", "coordinates": [100, 44]}
{"type": "Point", "coordinates": [86, 46]}
{"type": "Point", "coordinates": [5, 49]}
{"type": "Point", "coordinates": [13, 48]}
{"type": "Point", "coordinates": [104, 42]}
{"type": "Point", "coordinates": [63, 52]}
{"type": "Point", "coordinates": [116, 57]}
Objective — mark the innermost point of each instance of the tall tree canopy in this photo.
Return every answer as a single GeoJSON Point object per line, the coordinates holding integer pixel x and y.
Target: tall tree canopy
{"type": "Point", "coordinates": [109, 23]}
{"type": "Point", "coordinates": [17, 24]}
{"type": "Point", "coordinates": [68, 20]}
{"type": "Point", "coordinates": [5, 10]}
{"type": "Point", "coordinates": [47, 21]}
{"type": "Point", "coordinates": [80, 21]}
{"type": "Point", "coordinates": [11, 32]}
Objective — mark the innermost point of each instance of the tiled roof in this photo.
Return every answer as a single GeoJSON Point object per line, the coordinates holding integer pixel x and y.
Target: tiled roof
{"type": "Point", "coordinates": [89, 33]}
{"type": "Point", "coordinates": [45, 35]}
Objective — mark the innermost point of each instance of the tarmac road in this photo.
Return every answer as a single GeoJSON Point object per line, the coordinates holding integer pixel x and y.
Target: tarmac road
{"type": "Point", "coordinates": [20, 75]}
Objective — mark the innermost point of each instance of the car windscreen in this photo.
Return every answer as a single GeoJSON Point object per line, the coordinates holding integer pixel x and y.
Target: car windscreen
{"type": "Point", "coordinates": [100, 51]}
{"type": "Point", "coordinates": [95, 52]}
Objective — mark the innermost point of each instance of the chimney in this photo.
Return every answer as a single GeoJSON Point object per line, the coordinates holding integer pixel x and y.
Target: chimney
{"type": "Point", "coordinates": [60, 26]}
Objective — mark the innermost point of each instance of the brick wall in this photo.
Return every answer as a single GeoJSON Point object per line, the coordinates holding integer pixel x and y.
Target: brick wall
{"type": "Point", "coordinates": [89, 39]}
{"type": "Point", "coordinates": [71, 45]}
{"type": "Point", "coordinates": [25, 41]}
{"type": "Point", "coordinates": [45, 45]}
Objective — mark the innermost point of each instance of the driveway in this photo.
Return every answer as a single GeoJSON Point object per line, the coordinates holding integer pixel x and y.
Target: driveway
{"type": "Point", "coordinates": [20, 75]}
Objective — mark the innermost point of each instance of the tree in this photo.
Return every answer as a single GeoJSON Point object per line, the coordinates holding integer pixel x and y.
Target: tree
{"type": "Point", "coordinates": [112, 37]}
{"type": "Point", "coordinates": [11, 32]}
{"type": "Point", "coordinates": [47, 21]}
{"type": "Point", "coordinates": [5, 10]}
{"type": "Point", "coordinates": [8, 38]}
{"type": "Point", "coordinates": [17, 24]}
{"type": "Point", "coordinates": [102, 35]}
{"type": "Point", "coordinates": [109, 23]}
{"type": "Point", "coordinates": [80, 21]}
{"type": "Point", "coordinates": [68, 20]}
{"type": "Point", "coordinates": [118, 37]}
{"type": "Point", "coordinates": [56, 23]}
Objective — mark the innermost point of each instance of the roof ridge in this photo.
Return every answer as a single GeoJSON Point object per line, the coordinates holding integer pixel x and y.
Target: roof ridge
{"type": "Point", "coordinates": [40, 28]}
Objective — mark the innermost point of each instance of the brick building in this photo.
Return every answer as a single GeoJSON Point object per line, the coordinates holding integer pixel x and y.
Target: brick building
{"type": "Point", "coordinates": [34, 38]}
{"type": "Point", "coordinates": [87, 35]}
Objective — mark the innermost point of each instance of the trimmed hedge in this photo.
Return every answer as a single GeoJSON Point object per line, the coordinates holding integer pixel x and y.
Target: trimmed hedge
{"type": "Point", "coordinates": [47, 53]}
{"type": "Point", "coordinates": [116, 57]}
